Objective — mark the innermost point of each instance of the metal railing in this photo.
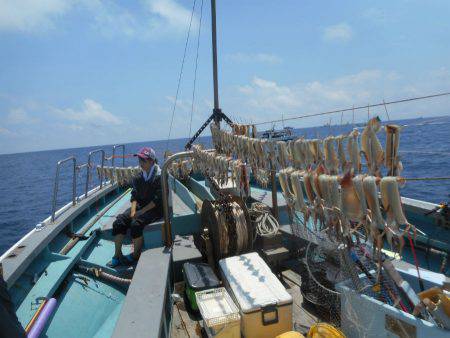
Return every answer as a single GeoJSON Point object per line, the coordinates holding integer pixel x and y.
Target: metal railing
{"type": "Point", "coordinates": [77, 168]}
{"type": "Point", "coordinates": [88, 169]}
{"type": "Point", "coordinates": [56, 185]}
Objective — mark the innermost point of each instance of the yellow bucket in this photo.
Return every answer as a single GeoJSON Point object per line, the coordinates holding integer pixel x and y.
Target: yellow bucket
{"type": "Point", "coordinates": [324, 330]}
{"type": "Point", "coordinates": [290, 334]}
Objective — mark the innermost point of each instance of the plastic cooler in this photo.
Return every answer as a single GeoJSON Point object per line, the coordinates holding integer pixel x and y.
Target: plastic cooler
{"type": "Point", "coordinates": [264, 303]}
{"type": "Point", "coordinates": [219, 313]}
{"type": "Point", "coordinates": [198, 277]}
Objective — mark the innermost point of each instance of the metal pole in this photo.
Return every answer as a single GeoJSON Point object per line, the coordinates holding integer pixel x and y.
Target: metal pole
{"type": "Point", "coordinates": [56, 185]}
{"type": "Point", "coordinates": [214, 52]}
{"type": "Point", "coordinates": [88, 167]}
{"type": "Point", "coordinates": [167, 227]}
{"type": "Point", "coordinates": [274, 191]}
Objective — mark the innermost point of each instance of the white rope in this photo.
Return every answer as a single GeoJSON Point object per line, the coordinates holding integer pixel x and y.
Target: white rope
{"type": "Point", "coordinates": [265, 223]}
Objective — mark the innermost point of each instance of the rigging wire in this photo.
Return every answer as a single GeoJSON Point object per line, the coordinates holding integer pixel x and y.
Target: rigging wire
{"type": "Point", "coordinates": [195, 71]}
{"type": "Point", "coordinates": [180, 75]}
{"type": "Point", "coordinates": [355, 108]}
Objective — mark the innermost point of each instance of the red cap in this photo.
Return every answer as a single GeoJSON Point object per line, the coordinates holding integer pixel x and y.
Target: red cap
{"type": "Point", "coordinates": [146, 153]}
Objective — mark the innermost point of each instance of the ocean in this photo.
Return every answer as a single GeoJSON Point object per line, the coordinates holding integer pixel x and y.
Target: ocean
{"type": "Point", "coordinates": [27, 179]}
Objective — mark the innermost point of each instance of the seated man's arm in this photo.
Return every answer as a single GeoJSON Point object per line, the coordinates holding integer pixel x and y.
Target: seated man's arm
{"type": "Point", "coordinates": [157, 200]}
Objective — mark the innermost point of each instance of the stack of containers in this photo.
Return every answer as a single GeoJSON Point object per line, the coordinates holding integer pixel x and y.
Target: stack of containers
{"type": "Point", "coordinates": [198, 277]}
{"type": "Point", "coordinates": [264, 303]}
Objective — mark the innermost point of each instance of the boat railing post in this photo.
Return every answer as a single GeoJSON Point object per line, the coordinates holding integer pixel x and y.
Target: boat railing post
{"type": "Point", "coordinates": [114, 154]}
{"type": "Point", "coordinates": [167, 228]}
{"type": "Point", "coordinates": [56, 185]}
{"type": "Point", "coordinates": [88, 169]}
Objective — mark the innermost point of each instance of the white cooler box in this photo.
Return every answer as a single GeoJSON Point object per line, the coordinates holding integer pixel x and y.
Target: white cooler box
{"type": "Point", "coordinates": [264, 303]}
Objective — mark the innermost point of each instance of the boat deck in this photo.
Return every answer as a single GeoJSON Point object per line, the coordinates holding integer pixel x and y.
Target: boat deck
{"type": "Point", "coordinates": [185, 323]}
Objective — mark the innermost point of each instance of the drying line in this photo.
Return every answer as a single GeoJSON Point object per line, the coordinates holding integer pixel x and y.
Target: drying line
{"type": "Point", "coordinates": [356, 108]}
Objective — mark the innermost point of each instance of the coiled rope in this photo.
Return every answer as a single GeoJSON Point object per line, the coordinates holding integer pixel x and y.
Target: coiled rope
{"type": "Point", "coordinates": [266, 224]}
{"type": "Point", "coordinates": [241, 227]}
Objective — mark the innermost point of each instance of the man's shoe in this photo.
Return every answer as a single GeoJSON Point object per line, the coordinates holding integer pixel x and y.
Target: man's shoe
{"type": "Point", "coordinates": [115, 262]}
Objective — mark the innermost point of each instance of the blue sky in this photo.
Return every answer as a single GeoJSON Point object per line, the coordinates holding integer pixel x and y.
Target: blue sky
{"type": "Point", "coordinates": [86, 72]}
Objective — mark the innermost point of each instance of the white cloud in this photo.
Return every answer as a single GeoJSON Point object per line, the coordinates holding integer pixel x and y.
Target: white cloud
{"type": "Point", "coordinates": [20, 116]}
{"type": "Point", "coordinates": [148, 19]}
{"type": "Point", "coordinates": [92, 112]}
{"type": "Point", "coordinates": [30, 15]}
{"type": "Point", "coordinates": [263, 99]}
{"type": "Point", "coordinates": [255, 57]}
{"type": "Point", "coordinates": [174, 16]}
{"type": "Point", "coordinates": [341, 32]}
{"type": "Point", "coordinates": [5, 132]}
{"type": "Point", "coordinates": [265, 94]}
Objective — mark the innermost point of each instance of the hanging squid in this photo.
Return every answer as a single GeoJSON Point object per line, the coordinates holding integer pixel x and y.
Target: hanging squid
{"type": "Point", "coordinates": [375, 217]}
{"type": "Point", "coordinates": [341, 152]}
{"type": "Point", "coordinates": [392, 143]}
{"type": "Point", "coordinates": [353, 151]}
{"type": "Point", "coordinates": [300, 205]}
{"type": "Point", "coordinates": [331, 159]}
{"type": "Point", "coordinates": [371, 146]}
{"type": "Point", "coordinates": [390, 197]}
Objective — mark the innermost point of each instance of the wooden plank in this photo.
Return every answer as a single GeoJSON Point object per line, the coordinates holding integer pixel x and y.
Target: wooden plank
{"type": "Point", "coordinates": [189, 323]}
{"type": "Point", "coordinates": [302, 318]}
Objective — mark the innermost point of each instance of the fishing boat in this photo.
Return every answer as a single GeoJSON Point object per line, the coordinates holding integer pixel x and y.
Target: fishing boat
{"type": "Point", "coordinates": [285, 134]}
{"type": "Point", "coordinates": [242, 224]}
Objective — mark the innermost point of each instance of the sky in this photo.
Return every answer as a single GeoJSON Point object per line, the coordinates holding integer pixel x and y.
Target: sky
{"type": "Point", "coordinates": [90, 72]}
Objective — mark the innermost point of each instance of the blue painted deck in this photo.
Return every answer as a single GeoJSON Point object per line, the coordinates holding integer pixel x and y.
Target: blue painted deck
{"type": "Point", "coordinates": [92, 309]}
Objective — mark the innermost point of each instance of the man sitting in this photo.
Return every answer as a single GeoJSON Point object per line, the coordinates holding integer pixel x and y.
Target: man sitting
{"type": "Point", "coordinates": [146, 207]}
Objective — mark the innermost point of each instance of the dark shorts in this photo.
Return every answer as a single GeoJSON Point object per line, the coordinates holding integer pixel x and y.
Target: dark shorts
{"type": "Point", "coordinates": [124, 222]}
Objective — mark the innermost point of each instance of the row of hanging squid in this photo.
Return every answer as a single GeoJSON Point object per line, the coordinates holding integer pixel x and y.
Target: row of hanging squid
{"type": "Point", "coordinates": [308, 174]}
{"type": "Point", "coordinates": [221, 168]}
{"type": "Point", "coordinates": [181, 169]}
{"type": "Point", "coordinates": [344, 204]}
{"type": "Point", "coordinates": [122, 175]}
{"type": "Point", "coordinates": [338, 154]}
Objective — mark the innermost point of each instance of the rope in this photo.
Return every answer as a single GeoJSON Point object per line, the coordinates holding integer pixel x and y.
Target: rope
{"type": "Point", "coordinates": [416, 262]}
{"type": "Point", "coordinates": [265, 223]}
{"type": "Point", "coordinates": [356, 108]}
{"type": "Point", "coordinates": [195, 71]}
{"type": "Point", "coordinates": [180, 75]}
{"type": "Point", "coordinates": [425, 178]}
{"type": "Point", "coordinates": [241, 227]}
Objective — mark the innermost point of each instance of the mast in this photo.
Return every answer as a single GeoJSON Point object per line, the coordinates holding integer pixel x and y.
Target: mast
{"type": "Point", "coordinates": [214, 56]}
{"type": "Point", "coordinates": [217, 114]}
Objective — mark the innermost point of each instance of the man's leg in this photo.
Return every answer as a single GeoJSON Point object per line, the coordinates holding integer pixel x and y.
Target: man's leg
{"type": "Point", "coordinates": [120, 226]}
{"type": "Point", "coordinates": [118, 240]}
{"type": "Point", "coordinates": [138, 243]}
{"type": "Point", "coordinates": [137, 230]}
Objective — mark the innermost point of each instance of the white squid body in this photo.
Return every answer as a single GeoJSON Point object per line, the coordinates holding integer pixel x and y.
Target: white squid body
{"type": "Point", "coordinates": [341, 152]}
{"type": "Point", "coordinates": [376, 218]}
{"type": "Point", "coordinates": [371, 146]}
{"type": "Point", "coordinates": [390, 196]}
{"type": "Point", "coordinates": [284, 177]}
{"type": "Point", "coordinates": [331, 160]}
{"type": "Point", "coordinates": [309, 190]}
{"type": "Point", "coordinates": [296, 148]}
{"type": "Point", "coordinates": [392, 161]}
{"type": "Point", "coordinates": [300, 205]}
{"type": "Point", "coordinates": [316, 152]}
{"type": "Point", "coordinates": [283, 154]}
{"type": "Point", "coordinates": [353, 151]}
